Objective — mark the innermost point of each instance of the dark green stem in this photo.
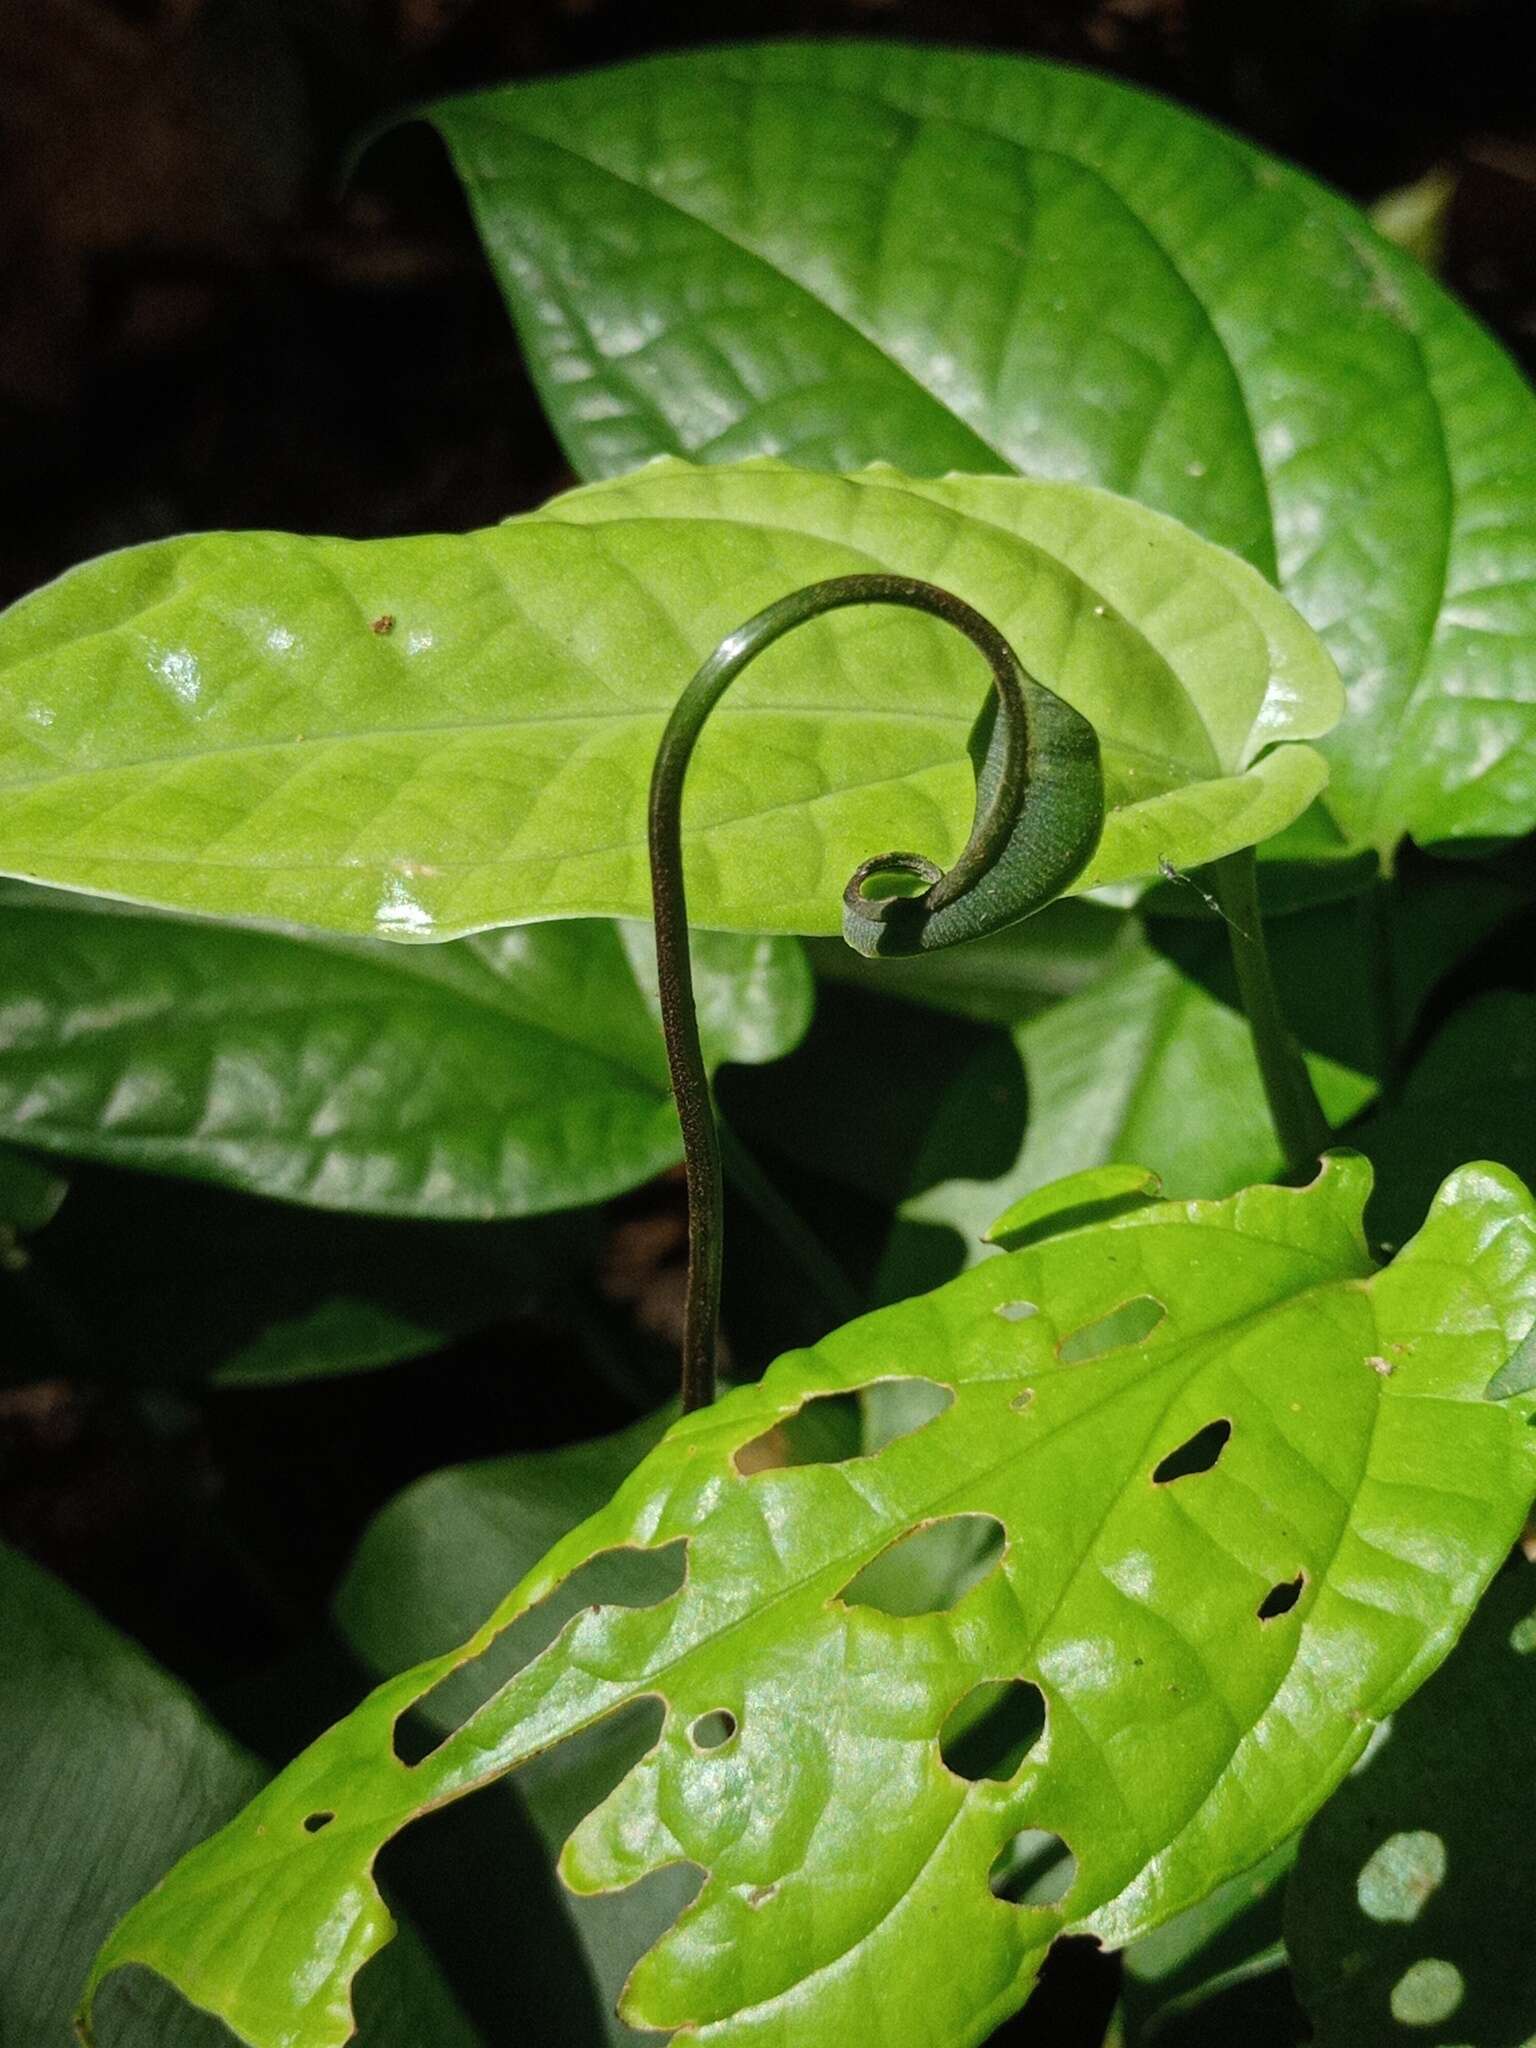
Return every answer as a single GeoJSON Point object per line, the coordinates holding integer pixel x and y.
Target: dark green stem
{"type": "Point", "coordinates": [989, 839]}
{"type": "Point", "coordinates": [1294, 1109]}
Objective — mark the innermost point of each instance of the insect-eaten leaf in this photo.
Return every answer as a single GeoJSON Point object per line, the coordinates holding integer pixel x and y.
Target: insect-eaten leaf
{"type": "Point", "coordinates": [1206, 1647]}
{"type": "Point", "coordinates": [210, 723]}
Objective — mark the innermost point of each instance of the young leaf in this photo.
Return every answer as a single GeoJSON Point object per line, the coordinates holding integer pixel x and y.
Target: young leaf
{"type": "Point", "coordinates": [1209, 1650]}
{"type": "Point", "coordinates": [213, 723]}
{"type": "Point", "coordinates": [1408, 1917]}
{"type": "Point", "coordinates": [114, 1770]}
{"type": "Point", "coordinates": [512, 1074]}
{"type": "Point", "coordinates": [846, 252]}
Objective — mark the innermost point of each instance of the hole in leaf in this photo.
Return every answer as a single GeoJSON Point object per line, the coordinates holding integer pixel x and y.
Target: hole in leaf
{"type": "Point", "coordinates": [930, 1569]}
{"type": "Point", "coordinates": [830, 1429]}
{"type": "Point", "coordinates": [620, 1578]}
{"type": "Point", "coordinates": [1131, 1323]}
{"type": "Point", "coordinates": [1282, 1598]}
{"type": "Point", "coordinates": [1199, 1454]}
{"type": "Point", "coordinates": [713, 1730]}
{"type": "Point", "coordinates": [1016, 1311]}
{"type": "Point", "coordinates": [314, 1822]}
{"type": "Point", "coordinates": [989, 1733]}
{"type": "Point", "coordinates": [1035, 1869]}
{"type": "Point", "coordinates": [1022, 1400]}
{"type": "Point", "coordinates": [481, 1862]}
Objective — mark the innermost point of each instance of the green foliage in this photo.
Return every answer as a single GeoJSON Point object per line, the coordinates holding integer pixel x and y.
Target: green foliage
{"type": "Point", "coordinates": [506, 1075]}
{"type": "Point", "coordinates": [215, 724]}
{"type": "Point", "coordinates": [842, 253]}
{"type": "Point", "coordinates": [157, 1281]}
{"type": "Point", "coordinates": [113, 1771]}
{"type": "Point", "coordinates": [1211, 1639]}
{"type": "Point", "coordinates": [1408, 1917]}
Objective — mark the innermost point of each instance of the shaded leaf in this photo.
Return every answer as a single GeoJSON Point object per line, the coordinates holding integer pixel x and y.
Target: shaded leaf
{"type": "Point", "coordinates": [508, 1075]}
{"type": "Point", "coordinates": [211, 723]}
{"type": "Point", "coordinates": [113, 1770]}
{"type": "Point", "coordinates": [845, 252]}
{"type": "Point", "coordinates": [30, 1191]}
{"type": "Point", "coordinates": [1408, 1917]}
{"type": "Point", "coordinates": [158, 1280]}
{"type": "Point", "coordinates": [1475, 1088]}
{"type": "Point", "coordinates": [1185, 1736]}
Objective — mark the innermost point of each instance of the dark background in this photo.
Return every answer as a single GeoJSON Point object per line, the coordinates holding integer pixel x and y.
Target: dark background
{"type": "Point", "coordinates": [200, 328]}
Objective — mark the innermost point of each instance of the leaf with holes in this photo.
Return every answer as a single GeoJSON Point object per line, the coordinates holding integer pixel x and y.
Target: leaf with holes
{"type": "Point", "coordinates": [511, 1074]}
{"type": "Point", "coordinates": [213, 723]}
{"type": "Point", "coordinates": [849, 252]}
{"type": "Point", "coordinates": [1178, 1669]}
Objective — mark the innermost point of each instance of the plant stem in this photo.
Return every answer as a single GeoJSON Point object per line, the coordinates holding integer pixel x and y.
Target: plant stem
{"type": "Point", "coordinates": [1294, 1109]}
{"type": "Point", "coordinates": [997, 814]}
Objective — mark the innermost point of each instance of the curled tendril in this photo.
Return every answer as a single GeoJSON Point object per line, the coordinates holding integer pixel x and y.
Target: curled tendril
{"type": "Point", "coordinates": [1039, 808]}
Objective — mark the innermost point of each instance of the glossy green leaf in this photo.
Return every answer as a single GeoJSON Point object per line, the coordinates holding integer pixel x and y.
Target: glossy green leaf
{"type": "Point", "coordinates": [1408, 1918]}
{"type": "Point", "coordinates": [1210, 1649]}
{"type": "Point", "coordinates": [112, 1771]}
{"type": "Point", "coordinates": [511, 1074]}
{"type": "Point", "coordinates": [845, 252]}
{"type": "Point", "coordinates": [215, 724]}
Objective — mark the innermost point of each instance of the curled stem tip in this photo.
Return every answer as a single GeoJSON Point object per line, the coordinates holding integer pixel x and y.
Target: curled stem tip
{"type": "Point", "coordinates": [1018, 856]}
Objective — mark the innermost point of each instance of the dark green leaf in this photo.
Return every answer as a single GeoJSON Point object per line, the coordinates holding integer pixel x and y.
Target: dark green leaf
{"type": "Point", "coordinates": [162, 1281]}
{"type": "Point", "coordinates": [1409, 1914]}
{"type": "Point", "coordinates": [848, 252]}
{"type": "Point", "coordinates": [507, 1075]}
{"type": "Point", "coordinates": [112, 1770]}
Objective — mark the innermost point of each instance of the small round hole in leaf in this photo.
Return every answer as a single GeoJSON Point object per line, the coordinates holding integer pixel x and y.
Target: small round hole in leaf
{"type": "Point", "coordinates": [992, 1730]}
{"type": "Point", "coordinates": [1282, 1598]}
{"type": "Point", "coordinates": [1036, 1868]}
{"type": "Point", "coordinates": [713, 1730]}
{"type": "Point", "coordinates": [314, 1822]}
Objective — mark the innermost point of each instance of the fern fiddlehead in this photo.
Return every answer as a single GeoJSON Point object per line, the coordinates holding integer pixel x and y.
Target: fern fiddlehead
{"type": "Point", "coordinates": [1039, 810]}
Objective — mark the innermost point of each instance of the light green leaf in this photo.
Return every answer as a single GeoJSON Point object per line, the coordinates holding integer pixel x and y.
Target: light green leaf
{"type": "Point", "coordinates": [112, 1771]}
{"type": "Point", "coordinates": [1210, 1650]}
{"type": "Point", "coordinates": [845, 252]}
{"type": "Point", "coordinates": [214, 723]}
{"type": "Point", "coordinates": [508, 1075]}
{"type": "Point", "coordinates": [1408, 1917]}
